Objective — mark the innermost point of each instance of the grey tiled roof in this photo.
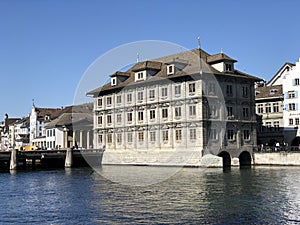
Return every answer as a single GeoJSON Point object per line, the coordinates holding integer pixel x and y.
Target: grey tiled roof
{"type": "Point", "coordinates": [218, 58]}
{"type": "Point", "coordinates": [73, 114]}
{"type": "Point", "coordinates": [192, 66]}
{"type": "Point", "coordinates": [269, 92]}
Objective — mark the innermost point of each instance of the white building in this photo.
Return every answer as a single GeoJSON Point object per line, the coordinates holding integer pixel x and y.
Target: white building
{"type": "Point", "coordinates": [38, 118]}
{"type": "Point", "coordinates": [73, 128]}
{"type": "Point", "coordinates": [277, 103]}
{"type": "Point", "coordinates": [291, 113]}
{"type": "Point", "coordinates": [21, 132]}
{"type": "Point", "coordinates": [173, 110]}
{"type": "Point", "coordinates": [7, 134]}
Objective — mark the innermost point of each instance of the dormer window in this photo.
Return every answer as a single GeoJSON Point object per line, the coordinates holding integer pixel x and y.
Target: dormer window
{"type": "Point", "coordinates": [273, 91]}
{"type": "Point", "coordinates": [113, 81]}
{"type": "Point", "coordinates": [228, 67]}
{"type": "Point", "coordinates": [141, 75]}
{"type": "Point", "coordinates": [221, 62]}
{"type": "Point", "coordinates": [170, 69]}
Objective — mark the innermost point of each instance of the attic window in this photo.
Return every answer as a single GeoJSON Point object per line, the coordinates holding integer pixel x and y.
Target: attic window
{"type": "Point", "coordinates": [170, 69]}
{"type": "Point", "coordinates": [140, 76]}
{"type": "Point", "coordinates": [228, 67]}
{"type": "Point", "coordinates": [273, 91]}
{"type": "Point", "coordinates": [47, 117]}
{"type": "Point", "coordinates": [113, 81]}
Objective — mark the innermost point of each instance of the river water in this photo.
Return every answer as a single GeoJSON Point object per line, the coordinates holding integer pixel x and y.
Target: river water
{"type": "Point", "coordinates": [260, 195]}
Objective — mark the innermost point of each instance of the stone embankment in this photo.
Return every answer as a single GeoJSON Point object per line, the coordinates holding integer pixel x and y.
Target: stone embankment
{"type": "Point", "coordinates": [277, 158]}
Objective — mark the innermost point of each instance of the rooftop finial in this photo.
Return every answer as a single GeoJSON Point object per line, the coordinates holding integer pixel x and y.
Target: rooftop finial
{"type": "Point", "coordinates": [137, 57]}
{"type": "Point", "coordinates": [200, 57]}
{"type": "Point", "coordinates": [222, 50]}
{"type": "Point", "coordinates": [33, 103]}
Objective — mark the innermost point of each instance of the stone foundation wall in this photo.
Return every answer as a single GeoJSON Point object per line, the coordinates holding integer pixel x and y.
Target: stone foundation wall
{"type": "Point", "coordinates": [161, 158]}
{"type": "Point", "coordinates": [277, 158]}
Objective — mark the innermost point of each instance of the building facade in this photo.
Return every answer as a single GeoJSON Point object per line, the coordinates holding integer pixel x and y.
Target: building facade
{"type": "Point", "coordinates": [175, 109]}
{"type": "Point", "coordinates": [72, 129]}
{"type": "Point", "coordinates": [291, 113]}
{"type": "Point", "coordinates": [22, 131]}
{"type": "Point", "coordinates": [7, 134]}
{"type": "Point", "coordinates": [39, 117]}
{"type": "Point", "coordinates": [277, 105]}
{"type": "Point", "coordinates": [269, 108]}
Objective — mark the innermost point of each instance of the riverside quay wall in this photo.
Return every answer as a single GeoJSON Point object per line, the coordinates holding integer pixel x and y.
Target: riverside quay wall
{"type": "Point", "coordinates": [277, 158]}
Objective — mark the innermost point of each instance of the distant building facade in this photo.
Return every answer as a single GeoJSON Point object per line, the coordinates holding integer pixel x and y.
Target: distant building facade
{"type": "Point", "coordinates": [277, 103]}
{"type": "Point", "coordinates": [38, 118]}
{"type": "Point", "coordinates": [7, 133]}
{"type": "Point", "coordinates": [291, 113]}
{"type": "Point", "coordinates": [22, 131]}
{"type": "Point", "coordinates": [168, 105]}
{"type": "Point", "coordinates": [269, 107]}
{"type": "Point", "coordinates": [73, 128]}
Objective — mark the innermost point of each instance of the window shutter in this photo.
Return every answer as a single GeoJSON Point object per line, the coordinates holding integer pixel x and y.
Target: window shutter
{"type": "Point", "coordinates": [286, 95]}
{"type": "Point", "coordinates": [293, 82]}
{"type": "Point", "coordinates": [296, 94]}
{"type": "Point", "coordinates": [286, 107]}
{"type": "Point", "coordinates": [296, 106]}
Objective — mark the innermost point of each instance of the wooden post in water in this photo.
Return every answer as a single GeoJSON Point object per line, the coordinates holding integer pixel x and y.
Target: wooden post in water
{"type": "Point", "coordinates": [69, 158]}
{"type": "Point", "coordinates": [13, 159]}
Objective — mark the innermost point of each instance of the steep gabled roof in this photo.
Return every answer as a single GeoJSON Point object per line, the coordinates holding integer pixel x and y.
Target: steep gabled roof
{"type": "Point", "coordinates": [10, 121]}
{"type": "Point", "coordinates": [51, 112]}
{"type": "Point", "coordinates": [277, 76]}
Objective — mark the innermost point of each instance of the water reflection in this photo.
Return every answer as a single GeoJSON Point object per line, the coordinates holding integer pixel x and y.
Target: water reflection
{"type": "Point", "coordinates": [263, 195]}
{"type": "Point", "coordinates": [247, 196]}
{"type": "Point", "coordinates": [137, 175]}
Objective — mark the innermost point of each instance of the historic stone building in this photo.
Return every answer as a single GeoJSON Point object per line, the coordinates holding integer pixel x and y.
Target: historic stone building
{"type": "Point", "coordinates": [175, 109]}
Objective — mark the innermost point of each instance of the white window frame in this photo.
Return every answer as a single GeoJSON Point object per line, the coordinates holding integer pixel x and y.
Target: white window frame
{"type": "Point", "coordinates": [177, 89]}
{"type": "Point", "coordinates": [152, 114]}
{"type": "Point", "coordinates": [170, 69]}
{"type": "Point", "coordinates": [164, 92]}
{"type": "Point", "coordinates": [152, 135]}
{"type": "Point", "coordinates": [141, 75]}
{"type": "Point", "coordinates": [193, 134]}
{"type": "Point", "coordinates": [152, 93]}
{"type": "Point", "coordinates": [113, 81]}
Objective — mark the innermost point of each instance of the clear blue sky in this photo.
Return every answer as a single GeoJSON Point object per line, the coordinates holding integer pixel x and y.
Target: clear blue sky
{"type": "Point", "coordinates": [46, 46]}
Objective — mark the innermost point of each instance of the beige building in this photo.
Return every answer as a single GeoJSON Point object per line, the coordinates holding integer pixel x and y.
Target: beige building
{"type": "Point", "coordinates": [269, 107]}
{"type": "Point", "coordinates": [174, 110]}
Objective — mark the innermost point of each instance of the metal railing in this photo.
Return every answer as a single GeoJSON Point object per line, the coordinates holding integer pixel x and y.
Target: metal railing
{"type": "Point", "coordinates": [270, 149]}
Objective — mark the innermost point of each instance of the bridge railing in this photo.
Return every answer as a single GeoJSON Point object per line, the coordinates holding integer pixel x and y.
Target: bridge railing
{"type": "Point", "coordinates": [270, 149]}
{"type": "Point", "coordinates": [58, 151]}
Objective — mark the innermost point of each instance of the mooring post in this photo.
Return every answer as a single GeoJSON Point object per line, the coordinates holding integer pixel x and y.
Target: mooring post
{"type": "Point", "coordinates": [13, 159]}
{"type": "Point", "coordinates": [69, 158]}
